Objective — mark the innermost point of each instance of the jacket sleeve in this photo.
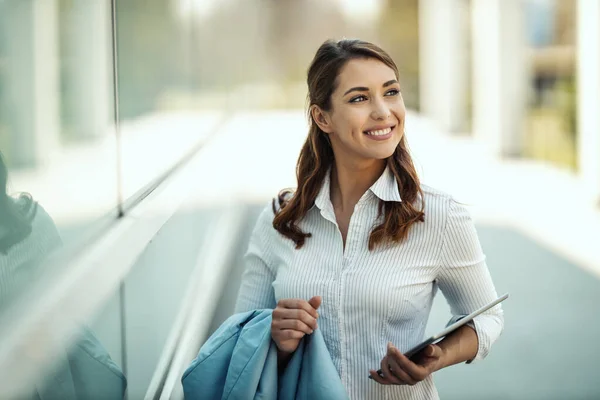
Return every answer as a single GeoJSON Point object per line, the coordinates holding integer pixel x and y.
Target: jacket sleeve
{"type": "Point", "coordinates": [465, 280]}
{"type": "Point", "coordinates": [256, 289]}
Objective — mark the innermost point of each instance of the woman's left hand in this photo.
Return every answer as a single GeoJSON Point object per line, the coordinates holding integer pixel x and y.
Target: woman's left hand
{"type": "Point", "coordinates": [399, 370]}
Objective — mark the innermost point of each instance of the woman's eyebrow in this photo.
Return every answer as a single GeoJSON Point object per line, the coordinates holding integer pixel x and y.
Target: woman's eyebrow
{"type": "Point", "coordinates": [357, 89]}
{"type": "Point", "coordinates": [366, 89]}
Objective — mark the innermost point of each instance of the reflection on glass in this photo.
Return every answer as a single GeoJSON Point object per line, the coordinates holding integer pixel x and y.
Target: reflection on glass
{"type": "Point", "coordinates": [56, 138]}
{"type": "Point", "coordinates": [27, 236]}
{"type": "Point", "coordinates": [84, 371]}
{"type": "Point", "coordinates": [55, 109]}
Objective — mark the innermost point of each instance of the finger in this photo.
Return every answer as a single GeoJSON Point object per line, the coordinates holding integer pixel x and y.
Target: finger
{"type": "Point", "coordinates": [415, 371]}
{"type": "Point", "coordinates": [315, 302]}
{"type": "Point", "coordinates": [300, 315]}
{"type": "Point", "coordinates": [433, 351]}
{"type": "Point", "coordinates": [288, 334]}
{"type": "Point", "coordinates": [294, 324]}
{"type": "Point", "coordinates": [298, 304]}
{"type": "Point", "coordinates": [375, 376]}
{"type": "Point", "coordinates": [399, 374]}
{"type": "Point", "coordinates": [428, 357]}
{"type": "Point", "coordinates": [388, 376]}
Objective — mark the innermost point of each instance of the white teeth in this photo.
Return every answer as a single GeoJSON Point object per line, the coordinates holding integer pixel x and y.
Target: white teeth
{"type": "Point", "coordinates": [380, 132]}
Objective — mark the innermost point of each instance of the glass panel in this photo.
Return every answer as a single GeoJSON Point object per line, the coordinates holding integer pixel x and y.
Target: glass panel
{"type": "Point", "coordinates": [58, 177]}
{"type": "Point", "coordinates": [56, 137]}
{"type": "Point", "coordinates": [162, 117]}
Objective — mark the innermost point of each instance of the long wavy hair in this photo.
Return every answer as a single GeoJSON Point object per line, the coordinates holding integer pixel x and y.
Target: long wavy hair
{"type": "Point", "coordinates": [16, 214]}
{"type": "Point", "coordinates": [316, 156]}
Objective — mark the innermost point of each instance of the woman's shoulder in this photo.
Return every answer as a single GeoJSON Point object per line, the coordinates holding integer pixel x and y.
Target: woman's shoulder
{"type": "Point", "coordinates": [44, 222]}
{"type": "Point", "coordinates": [38, 230]}
{"type": "Point", "coordinates": [439, 202]}
{"type": "Point", "coordinates": [266, 215]}
{"type": "Point", "coordinates": [435, 195]}
{"type": "Point", "coordinates": [282, 199]}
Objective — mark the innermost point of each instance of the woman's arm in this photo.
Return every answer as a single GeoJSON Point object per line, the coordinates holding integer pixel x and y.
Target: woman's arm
{"type": "Point", "coordinates": [256, 290]}
{"type": "Point", "coordinates": [465, 281]}
{"type": "Point", "coordinates": [460, 346]}
{"type": "Point", "coordinates": [467, 285]}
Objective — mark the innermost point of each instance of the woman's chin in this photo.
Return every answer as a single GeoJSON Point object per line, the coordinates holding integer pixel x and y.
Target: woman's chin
{"type": "Point", "coordinates": [381, 153]}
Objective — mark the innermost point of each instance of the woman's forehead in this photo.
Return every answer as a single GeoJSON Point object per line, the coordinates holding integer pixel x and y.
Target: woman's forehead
{"type": "Point", "coordinates": [368, 72]}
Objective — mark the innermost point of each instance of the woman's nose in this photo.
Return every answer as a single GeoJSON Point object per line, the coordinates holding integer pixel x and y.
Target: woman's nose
{"type": "Point", "coordinates": [380, 111]}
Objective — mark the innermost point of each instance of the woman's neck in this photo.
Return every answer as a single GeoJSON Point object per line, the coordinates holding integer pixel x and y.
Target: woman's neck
{"type": "Point", "coordinates": [350, 181]}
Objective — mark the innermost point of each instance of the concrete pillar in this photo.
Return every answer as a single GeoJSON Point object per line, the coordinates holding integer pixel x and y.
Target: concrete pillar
{"type": "Point", "coordinates": [31, 80]}
{"type": "Point", "coordinates": [499, 75]}
{"type": "Point", "coordinates": [88, 80]}
{"type": "Point", "coordinates": [588, 95]}
{"type": "Point", "coordinates": [443, 62]}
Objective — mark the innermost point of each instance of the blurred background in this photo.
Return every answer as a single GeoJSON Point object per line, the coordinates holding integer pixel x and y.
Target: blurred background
{"type": "Point", "coordinates": [140, 138]}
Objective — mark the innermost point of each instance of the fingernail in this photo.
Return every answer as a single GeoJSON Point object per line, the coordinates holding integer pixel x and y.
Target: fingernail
{"type": "Point", "coordinates": [390, 345]}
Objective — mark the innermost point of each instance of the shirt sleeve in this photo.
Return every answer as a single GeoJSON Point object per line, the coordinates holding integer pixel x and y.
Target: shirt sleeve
{"type": "Point", "coordinates": [256, 289]}
{"type": "Point", "coordinates": [465, 280]}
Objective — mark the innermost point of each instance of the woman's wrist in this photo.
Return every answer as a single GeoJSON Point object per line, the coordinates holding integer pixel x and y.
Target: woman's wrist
{"type": "Point", "coordinates": [459, 347]}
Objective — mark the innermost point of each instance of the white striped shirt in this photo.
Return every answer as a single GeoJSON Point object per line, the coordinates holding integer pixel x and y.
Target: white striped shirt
{"type": "Point", "coordinates": [370, 298]}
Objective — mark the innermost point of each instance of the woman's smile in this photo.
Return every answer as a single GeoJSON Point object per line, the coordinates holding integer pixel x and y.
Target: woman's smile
{"type": "Point", "coordinates": [380, 133]}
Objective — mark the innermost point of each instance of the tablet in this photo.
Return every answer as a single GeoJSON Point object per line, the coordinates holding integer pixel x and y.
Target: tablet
{"type": "Point", "coordinates": [436, 338]}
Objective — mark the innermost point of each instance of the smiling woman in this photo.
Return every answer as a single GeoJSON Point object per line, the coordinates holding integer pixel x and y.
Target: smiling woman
{"type": "Point", "coordinates": [361, 246]}
{"type": "Point", "coordinates": [355, 99]}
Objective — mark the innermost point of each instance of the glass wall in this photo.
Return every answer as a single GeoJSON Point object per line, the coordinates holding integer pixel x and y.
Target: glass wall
{"type": "Point", "coordinates": [58, 172]}
{"type": "Point", "coordinates": [57, 141]}
{"type": "Point", "coordinates": [161, 113]}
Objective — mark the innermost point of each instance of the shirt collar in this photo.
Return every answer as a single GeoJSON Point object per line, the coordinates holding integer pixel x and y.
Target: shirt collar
{"type": "Point", "coordinates": [385, 188]}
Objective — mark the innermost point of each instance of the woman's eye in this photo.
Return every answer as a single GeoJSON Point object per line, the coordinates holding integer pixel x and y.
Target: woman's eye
{"type": "Point", "coordinates": [358, 99]}
{"type": "Point", "coordinates": [393, 92]}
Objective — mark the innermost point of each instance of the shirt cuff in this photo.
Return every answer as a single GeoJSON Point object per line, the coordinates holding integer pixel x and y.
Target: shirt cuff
{"type": "Point", "coordinates": [482, 349]}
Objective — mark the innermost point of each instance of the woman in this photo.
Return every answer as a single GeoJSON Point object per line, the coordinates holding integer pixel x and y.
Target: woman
{"type": "Point", "coordinates": [361, 246]}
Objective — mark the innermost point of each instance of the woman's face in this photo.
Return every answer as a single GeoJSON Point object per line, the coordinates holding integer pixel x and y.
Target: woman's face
{"type": "Point", "coordinates": [366, 120]}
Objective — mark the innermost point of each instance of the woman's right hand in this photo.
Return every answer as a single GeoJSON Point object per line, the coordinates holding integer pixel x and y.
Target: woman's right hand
{"type": "Point", "coordinates": [292, 319]}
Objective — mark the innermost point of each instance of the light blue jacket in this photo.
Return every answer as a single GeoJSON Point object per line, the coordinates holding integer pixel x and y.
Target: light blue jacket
{"type": "Point", "coordinates": [239, 361]}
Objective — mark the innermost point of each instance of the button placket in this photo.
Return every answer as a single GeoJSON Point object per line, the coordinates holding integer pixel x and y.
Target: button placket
{"type": "Point", "coordinates": [352, 244]}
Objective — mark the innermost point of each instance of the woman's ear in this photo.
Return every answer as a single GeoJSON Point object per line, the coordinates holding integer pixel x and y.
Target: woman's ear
{"type": "Point", "coordinates": [321, 118]}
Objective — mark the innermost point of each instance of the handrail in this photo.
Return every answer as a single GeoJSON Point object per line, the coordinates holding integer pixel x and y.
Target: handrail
{"type": "Point", "coordinates": [198, 305]}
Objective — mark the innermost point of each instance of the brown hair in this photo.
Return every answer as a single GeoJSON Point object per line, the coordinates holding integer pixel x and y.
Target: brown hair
{"type": "Point", "coordinates": [316, 156]}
